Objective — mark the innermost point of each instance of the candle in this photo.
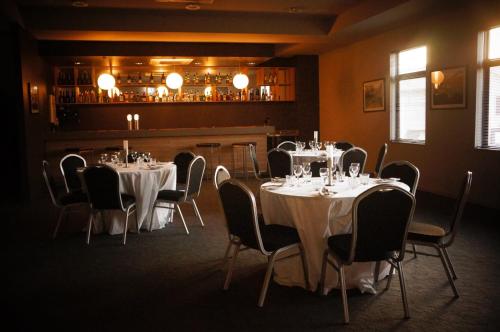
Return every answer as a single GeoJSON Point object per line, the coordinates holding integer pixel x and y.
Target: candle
{"type": "Point", "coordinates": [125, 145]}
{"type": "Point", "coordinates": [315, 136]}
{"type": "Point", "coordinates": [136, 121]}
{"type": "Point", "coordinates": [129, 121]}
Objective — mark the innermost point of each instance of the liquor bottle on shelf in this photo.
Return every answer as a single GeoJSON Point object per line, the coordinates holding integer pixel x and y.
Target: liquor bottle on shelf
{"type": "Point", "coordinates": [129, 79]}
{"type": "Point", "coordinates": [151, 78]}
{"type": "Point", "coordinates": [73, 99]}
{"type": "Point", "coordinates": [163, 78]}
{"type": "Point", "coordinates": [118, 79]}
{"type": "Point", "coordinates": [227, 79]}
{"type": "Point", "coordinates": [139, 79]}
{"type": "Point", "coordinates": [143, 97]}
{"type": "Point", "coordinates": [186, 78]}
{"type": "Point", "coordinates": [196, 79]}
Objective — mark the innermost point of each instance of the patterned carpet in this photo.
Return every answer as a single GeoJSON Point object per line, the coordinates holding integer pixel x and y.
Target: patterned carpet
{"type": "Point", "coordinates": [168, 281]}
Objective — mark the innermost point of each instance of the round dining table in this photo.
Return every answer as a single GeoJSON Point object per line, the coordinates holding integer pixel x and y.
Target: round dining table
{"type": "Point", "coordinates": [305, 207]}
{"type": "Point", "coordinates": [307, 156]}
{"type": "Point", "coordinates": [143, 182]}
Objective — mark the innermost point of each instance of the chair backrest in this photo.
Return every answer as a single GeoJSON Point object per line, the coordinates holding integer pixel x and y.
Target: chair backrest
{"type": "Point", "coordinates": [353, 155]}
{"type": "Point", "coordinates": [69, 163]}
{"type": "Point", "coordinates": [182, 161]}
{"type": "Point", "coordinates": [287, 145]}
{"type": "Point", "coordinates": [195, 177]}
{"type": "Point", "coordinates": [380, 160]}
{"type": "Point", "coordinates": [50, 182]}
{"type": "Point", "coordinates": [221, 174]}
{"type": "Point", "coordinates": [344, 145]}
{"type": "Point", "coordinates": [459, 207]}
{"type": "Point", "coordinates": [255, 162]}
{"type": "Point", "coordinates": [380, 219]}
{"type": "Point", "coordinates": [405, 171]}
{"type": "Point", "coordinates": [315, 166]}
{"type": "Point", "coordinates": [240, 211]}
{"type": "Point", "coordinates": [280, 163]}
{"type": "Point", "coordinates": [103, 187]}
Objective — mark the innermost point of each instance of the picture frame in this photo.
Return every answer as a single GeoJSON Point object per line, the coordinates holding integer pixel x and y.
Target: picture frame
{"type": "Point", "coordinates": [33, 98]}
{"type": "Point", "coordinates": [449, 88]}
{"type": "Point", "coordinates": [374, 95]}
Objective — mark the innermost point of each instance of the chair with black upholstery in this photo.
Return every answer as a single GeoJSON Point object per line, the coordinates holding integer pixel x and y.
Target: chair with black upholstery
{"type": "Point", "coordinates": [440, 238]}
{"type": "Point", "coordinates": [315, 166]}
{"type": "Point", "coordinates": [221, 174]}
{"type": "Point", "coordinates": [272, 241]}
{"type": "Point", "coordinates": [103, 189]}
{"type": "Point", "coordinates": [259, 175]}
{"type": "Point", "coordinates": [353, 155]}
{"type": "Point", "coordinates": [188, 195]}
{"type": "Point", "coordinates": [380, 160]}
{"type": "Point", "coordinates": [405, 171]}
{"type": "Point", "coordinates": [380, 219]}
{"type": "Point", "coordinates": [287, 145]}
{"type": "Point", "coordinates": [69, 164]}
{"type": "Point", "coordinates": [280, 163]}
{"type": "Point", "coordinates": [182, 161]}
{"type": "Point", "coordinates": [343, 145]}
{"type": "Point", "coordinates": [66, 201]}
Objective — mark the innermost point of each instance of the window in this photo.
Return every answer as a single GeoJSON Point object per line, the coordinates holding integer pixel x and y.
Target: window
{"type": "Point", "coordinates": [488, 90]}
{"type": "Point", "coordinates": [408, 95]}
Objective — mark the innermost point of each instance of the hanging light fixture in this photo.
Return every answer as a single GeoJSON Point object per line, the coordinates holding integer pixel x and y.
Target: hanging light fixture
{"type": "Point", "coordinates": [437, 77]}
{"type": "Point", "coordinates": [240, 81]}
{"type": "Point", "coordinates": [106, 81]}
{"type": "Point", "coordinates": [174, 80]}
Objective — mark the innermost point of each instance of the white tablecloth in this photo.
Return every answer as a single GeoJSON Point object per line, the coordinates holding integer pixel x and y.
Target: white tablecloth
{"type": "Point", "coordinates": [143, 184]}
{"type": "Point", "coordinates": [305, 209]}
{"type": "Point", "coordinates": [308, 156]}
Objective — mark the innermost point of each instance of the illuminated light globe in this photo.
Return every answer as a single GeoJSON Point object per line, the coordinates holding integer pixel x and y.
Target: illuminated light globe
{"type": "Point", "coordinates": [240, 81]}
{"type": "Point", "coordinates": [437, 77]}
{"type": "Point", "coordinates": [208, 91]}
{"type": "Point", "coordinates": [174, 81]}
{"type": "Point", "coordinates": [106, 81]}
{"type": "Point", "coordinates": [113, 91]}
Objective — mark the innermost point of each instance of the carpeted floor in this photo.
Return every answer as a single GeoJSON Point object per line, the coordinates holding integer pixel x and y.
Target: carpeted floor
{"type": "Point", "coordinates": [168, 281]}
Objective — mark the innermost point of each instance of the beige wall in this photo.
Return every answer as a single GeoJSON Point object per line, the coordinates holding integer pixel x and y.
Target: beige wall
{"type": "Point", "coordinates": [449, 149]}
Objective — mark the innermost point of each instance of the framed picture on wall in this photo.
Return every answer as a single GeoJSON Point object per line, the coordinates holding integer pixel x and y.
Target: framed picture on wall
{"type": "Point", "coordinates": [448, 88]}
{"type": "Point", "coordinates": [374, 95]}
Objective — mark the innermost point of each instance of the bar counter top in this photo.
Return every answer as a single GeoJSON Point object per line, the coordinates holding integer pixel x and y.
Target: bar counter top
{"type": "Point", "coordinates": [144, 133]}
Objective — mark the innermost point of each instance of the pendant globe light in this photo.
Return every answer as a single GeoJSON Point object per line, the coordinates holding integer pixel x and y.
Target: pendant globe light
{"type": "Point", "coordinates": [240, 80]}
{"type": "Point", "coordinates": [106, 81]}
{"type": "Point", "coordinates": [174, 80]}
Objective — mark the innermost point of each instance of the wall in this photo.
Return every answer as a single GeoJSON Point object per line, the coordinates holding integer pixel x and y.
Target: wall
{"type": "Point", "coordinates": [449, 149]}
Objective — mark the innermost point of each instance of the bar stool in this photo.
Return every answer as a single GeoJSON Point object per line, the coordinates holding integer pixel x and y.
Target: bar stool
{"type": "Point", "coordinates": [212, 148]}
{"type": "Point", "coordinates": [242, 148]}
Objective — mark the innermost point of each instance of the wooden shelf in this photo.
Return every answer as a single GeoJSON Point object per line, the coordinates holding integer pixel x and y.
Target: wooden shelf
{"type": "Point", "coordinates": [173, 102]}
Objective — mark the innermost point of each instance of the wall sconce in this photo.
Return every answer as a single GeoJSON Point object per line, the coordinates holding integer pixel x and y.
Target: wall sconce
{"type": "Point", "coordinates": [136, 121]}
{"type": "Point", "coordinates": [437, 77]}
{"type": "Point", "coordinates": [129, 121]}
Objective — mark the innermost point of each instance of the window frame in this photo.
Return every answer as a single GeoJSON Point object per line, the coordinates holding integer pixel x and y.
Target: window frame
{"type": "Point", "coordinates": [395, 95]}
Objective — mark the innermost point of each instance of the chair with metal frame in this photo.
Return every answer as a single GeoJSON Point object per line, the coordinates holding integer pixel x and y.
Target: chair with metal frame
{"type": "Point", "coordinates": [353, 155]}
{"type": "Point", "coordinates": [102, 184]}
{"type": "Point", "coordinates": [380, 221]}
{"type": "Point", "coordinates": [405, 171]}
{"type": "Point", "coordinates": [240, 211]}
{"type": "Point", "coordinates": [343, 145]}
{"type": "Point", "coordinates": [380, 161]}
{"type": "Point", "coordinates": [182, 161]}
{"type": "Point", "coordinates": [68, 165]}
{"type": "Point", "coordinates": [259, 175]}
{"type": "Point", "coordinates": [64, 201]}
{"type": "Point", "coordinates": [176, 197]}
{"type": "Point", "coordinates": [440, 238]}
{"type": "Point", "coordinates": [287, 145]}
{"type": "Point", "coordinates": [280, 163]}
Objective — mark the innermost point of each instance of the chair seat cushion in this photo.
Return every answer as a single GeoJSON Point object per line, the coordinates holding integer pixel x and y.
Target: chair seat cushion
{"type": "Point", "coordinates": [170, 195]}
{"type": "Point", "coordinates": [273, 236]}
{"type": "Point", "coordinates": [422, 232]}
{"type": "Point", "coordinates": [127, 200]}
{"type": "Point", "coordinates": [74, 197]}
{"type": "Point", "coordinates": [341, 246]}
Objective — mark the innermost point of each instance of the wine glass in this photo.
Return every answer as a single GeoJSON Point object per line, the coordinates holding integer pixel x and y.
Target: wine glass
{"type": "Point", "coordinates": [302, 145]}
{"type": "Point", "coordinates": [312, 144]}
{"type": "Point", "coordinates": [354, 170]}
{"type": "Point", "coordinates": [306, 167]}
{"type": "Point", "coordinates": [319, 145]}
{"type": "Point", "coordinates": [297, 171]}
{"type": "Point", "coordinates": [323, 173]}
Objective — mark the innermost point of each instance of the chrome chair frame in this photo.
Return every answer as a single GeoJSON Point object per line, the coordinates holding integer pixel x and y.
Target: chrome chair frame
{"type": "Point", "coordinates": [361, 167]}
{"type": "Point", "coordinates": [272, 257]}
{"type": "Point", "coordinates": [285, 143]}
{"type": "Point", "coordinates": [380, 159]}
{"type": "Point", "coordinates": [261, 176]}
{"type": "Point", "coordinates": [188, 198]}
{"type": "Point", "coordinates": [71, 155]}
{"type": "Point", "coordinates": [395, 261]}
{"type": "Point", "coordinates": [280, 150]}
{"type": "Point", "coordinates": [180, 185]}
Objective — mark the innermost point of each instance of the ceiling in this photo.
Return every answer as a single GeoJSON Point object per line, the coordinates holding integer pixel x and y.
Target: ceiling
{"type": "Point", "coordinates": [291, 26]}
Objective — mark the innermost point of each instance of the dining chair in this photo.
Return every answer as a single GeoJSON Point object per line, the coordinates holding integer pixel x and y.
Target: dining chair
{"type": "Point", "coordinates": [380, 219]}
{"type": "Point", "coordinates": [380, 160]}
{"type": "Point", "coordinates": [66, 202]}
{"type": "Point", "coordinates": [280, 163]}
{"type": "Point", "coordinates": [405, 171]}
{"type": "Point", "coordinates": [259, 175]}
{"type": "Point", "coordinates": [221, 173]}
{"type": "Point", "coordinates": [247, 229]}
{"type": "Point", "coordinates": [182, 161]}
{"type": "Point", "coordinates": [287, 145]}
{"type": "Point", "coordinates": [440, 238]}
{"type": "Point", "coordinates": [353, 155]}
{"type": "Point", "coordinates": [343, 145]}
{"type": "Point", "coordinates": [102, 184]}
{"type": "Point", "coordinates": [68, 165]}
{"type": "Point", "coordinates": [315, 166]}
{"type": "Point", "coordinates": [188, 195]}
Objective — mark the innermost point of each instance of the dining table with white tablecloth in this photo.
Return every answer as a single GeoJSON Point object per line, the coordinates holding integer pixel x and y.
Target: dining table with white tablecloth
{"type": "Point", "coordinates": [143, 182]}
{"type": "Point", "coordinates": [305, 207]}
{"type": "Point", "coordinates": [307, 156]}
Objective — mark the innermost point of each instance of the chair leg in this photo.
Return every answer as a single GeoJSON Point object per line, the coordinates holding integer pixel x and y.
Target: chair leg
{"type": "Point", "coordinates": [125, 229]}
{"type": "Point", "coordinates": [182, 217]}
{"type": "Point", "coordinates": [226, 255]}
{"type": "Point", "coordinates": [403, 289]}
{"type": "Point", "coordinates": [304, 267]}
{"type": "Point", "coordinates": [450, 265]}
{"type": "Point", "coordinates": [89, 227]}
{"type": "Point", "coordinates": [197, 212]}
{"type": "Point", "coordinates": [344, 294]}
{"type": "Point", "coordinates": [448, 274]}
{"type": "Point", "coordinates": [231, 266]}
{"type": "Point", "coordinates": [267, 278]}
{"type": "Point", "coordinates": [376, 272]}
{"type": "Point", "coordinates": [323, 273]}
{"type": "Point", "coordinates": [62, 214]}
{"type": "Point", "coordinates": [414, 251]}
{"type": "Point", "coordinates": [389, 278]}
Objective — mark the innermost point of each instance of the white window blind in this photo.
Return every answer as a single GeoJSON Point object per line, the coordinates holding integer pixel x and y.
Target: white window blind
{"type": "Point", "coordinates": [488, 90]}
{"type": "Point", "coordinates": [408, 95]}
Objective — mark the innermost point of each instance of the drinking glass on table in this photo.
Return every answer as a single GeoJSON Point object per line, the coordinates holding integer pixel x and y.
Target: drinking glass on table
{"type": "Point", "coordinates": [319, 145]}
{"type": "Point", "coordinates": [306, 167]}
{"type": "Point", "coordinates": [312, 145]}
{"type": "Point", "coordinates": [323, 173]}
{"type": "Point", "coordinates": [297, 171]}
{"type": "Point", "coordinates": [302, 145]}
{"type": "Point", "coordinates": [354, 170]}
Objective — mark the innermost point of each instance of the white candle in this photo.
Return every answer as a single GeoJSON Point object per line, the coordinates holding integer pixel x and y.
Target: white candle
{"type": "Point", "coordinates": [315, 136]}
{"type": "Point", "coordinates": [129, 121]}
{"type": "Point", "coordinates": [136, 121]}
{"type": "Point", "coordinates": [125, 145]}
